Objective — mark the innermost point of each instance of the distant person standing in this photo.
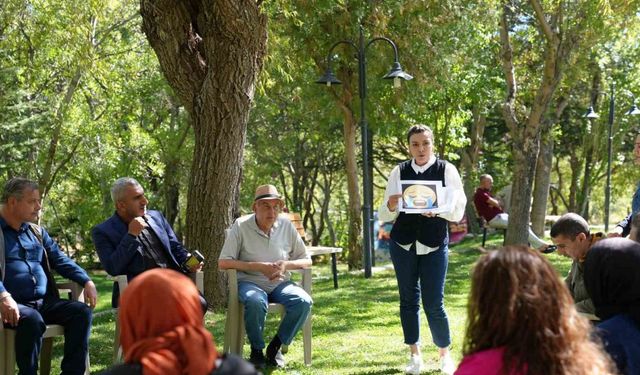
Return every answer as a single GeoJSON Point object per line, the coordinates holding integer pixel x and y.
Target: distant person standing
{"type": "Point", "coordinates": [419, 247]}
{"type": "Point", "coordinates": [623, 228]}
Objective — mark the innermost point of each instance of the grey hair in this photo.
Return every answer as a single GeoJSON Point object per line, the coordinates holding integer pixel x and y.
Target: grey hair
{"type": "Point", "coordinates": [120, 185]}
{"type": "Point", "coordinates": [16, 187]}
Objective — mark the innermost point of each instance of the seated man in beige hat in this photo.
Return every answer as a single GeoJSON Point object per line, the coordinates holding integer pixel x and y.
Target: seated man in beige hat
{"type": "Point", "coordinates": [263, 246]}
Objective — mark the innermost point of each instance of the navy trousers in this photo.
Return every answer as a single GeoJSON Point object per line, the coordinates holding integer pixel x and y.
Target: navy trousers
{"type": "Point", "coordinates": [422, 276]}
{"type": "Point", "coordinates": [75, 317]}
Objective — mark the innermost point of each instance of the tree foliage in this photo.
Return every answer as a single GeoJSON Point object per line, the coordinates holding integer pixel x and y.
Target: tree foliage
{"type": "Point", "coordinates": [92, 91]}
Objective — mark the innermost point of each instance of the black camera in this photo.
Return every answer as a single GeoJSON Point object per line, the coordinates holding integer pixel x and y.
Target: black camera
{"type": "Point", "coordinates": [193, 260]}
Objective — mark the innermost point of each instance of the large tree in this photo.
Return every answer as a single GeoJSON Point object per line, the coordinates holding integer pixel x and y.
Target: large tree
{"type": "Point", "coordinates": [211, 53]}
{"type": "Point", "coordinates": [561, 27]}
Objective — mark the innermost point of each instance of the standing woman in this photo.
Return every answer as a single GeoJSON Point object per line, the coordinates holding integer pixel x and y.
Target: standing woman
{"type": "Point", "coordinates": [419, 247]}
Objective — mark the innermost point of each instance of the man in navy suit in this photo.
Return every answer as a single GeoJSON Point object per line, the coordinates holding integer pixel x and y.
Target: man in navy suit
{"type": "Point", "coordinates": [134, 240]}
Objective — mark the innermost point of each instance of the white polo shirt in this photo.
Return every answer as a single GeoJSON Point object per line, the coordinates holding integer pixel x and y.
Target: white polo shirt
{"type": "Point", "coordinates": [246, 242]}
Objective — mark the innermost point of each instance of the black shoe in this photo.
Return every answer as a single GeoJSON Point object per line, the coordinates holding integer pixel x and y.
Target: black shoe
{"type": "Point", "coordinates": [277, 360]}
{"type": "Point", "coordinates": [257, 358]}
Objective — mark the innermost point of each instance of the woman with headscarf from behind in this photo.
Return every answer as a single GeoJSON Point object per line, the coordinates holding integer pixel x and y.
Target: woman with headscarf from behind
{"type": "Point", "coordinates": [162, 330]}
{"type": "Point", "coordinates": [612, 278]}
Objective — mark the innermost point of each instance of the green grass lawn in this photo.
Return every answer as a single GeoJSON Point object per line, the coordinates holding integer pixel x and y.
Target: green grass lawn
{"type": "Point", "coordinates": [356, 329]}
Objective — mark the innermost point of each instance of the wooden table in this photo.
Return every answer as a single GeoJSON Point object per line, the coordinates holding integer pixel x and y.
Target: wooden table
{"type": "Point", "coordinates": [322, 250]}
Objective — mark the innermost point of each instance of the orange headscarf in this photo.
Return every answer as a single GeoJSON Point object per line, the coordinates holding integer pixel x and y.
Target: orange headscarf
{"type": "Point", "coordinates": [162, 326]}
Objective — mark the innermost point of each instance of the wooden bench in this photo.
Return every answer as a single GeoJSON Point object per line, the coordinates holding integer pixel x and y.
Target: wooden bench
{"type": "Point", "coordinates": [296, 220]}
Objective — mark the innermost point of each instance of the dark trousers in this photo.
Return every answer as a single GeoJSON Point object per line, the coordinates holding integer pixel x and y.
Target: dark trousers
{"type": "Point", "coordinates": [422, 276]}
{"type": "Point", "coordinates": [75, 317]}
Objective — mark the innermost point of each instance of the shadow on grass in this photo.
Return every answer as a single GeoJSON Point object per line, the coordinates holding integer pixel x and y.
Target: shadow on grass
{"type": "Point", "coordinates": [356, 328]}
{"type": "Point", "coordinates": [383, 371]}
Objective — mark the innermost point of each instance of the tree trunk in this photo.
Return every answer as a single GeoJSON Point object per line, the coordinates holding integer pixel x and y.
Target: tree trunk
{"type": "Point", "coordinates": [542, 183]}
{"type": "Point", "coordinates": [211, 53]}
{"type": "Point", "coordinates": [575, 181]}
{"type": "Point", "coordinates": [583, 197]}
{"type": "Point", "coordinates": [354, 209]}
{"type": "Point", "coordinates": [524, 154]}
{"type": "Point", "coordinates": [469, 165]}
{"type": "Point", "coordinates": [543, 171]}
{"type": "Point", "coordinates": [171, 191]}
{"type": "Point", "coordinates": [526, 134]}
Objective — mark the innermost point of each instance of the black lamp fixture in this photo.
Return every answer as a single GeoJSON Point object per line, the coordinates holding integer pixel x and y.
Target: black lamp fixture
{"type": "Point", "coordinates": [397, 75]}
{"type": "Point", "coordinates": [591, 114]}
{"type": "Point", "coordinates": [633, 111]}
{"type": "Point", "coordinates": [328, 78]}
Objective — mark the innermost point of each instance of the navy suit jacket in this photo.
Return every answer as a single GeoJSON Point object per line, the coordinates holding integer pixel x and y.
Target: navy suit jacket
{"type": "Point", "coordinates": [120, 253]}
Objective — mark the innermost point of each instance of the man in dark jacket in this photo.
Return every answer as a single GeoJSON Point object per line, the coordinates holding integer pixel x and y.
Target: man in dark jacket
{"type": "Point", "coordinates": [134, 240]}
{"type": "Point", "coordinates": [29, 299]}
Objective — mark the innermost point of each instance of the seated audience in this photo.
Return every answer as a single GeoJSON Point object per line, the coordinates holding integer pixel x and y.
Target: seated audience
{"type": "Point", "coordinates": [263, 247]}
{"type": "Point", "coordinates": [134, 239]}
{"type": "Point", "coordinates": [521, 320]}
{"type": "Point", "coordinates": [572, 237]}
{"type": "Point", "coordinates": [162, 331]}
{"type": "Point", "coordinates": [612, 278]}
{"type": "Point", "coordinates": [490, 209]}
{"type": "Point", "coordinates": [29, 299]}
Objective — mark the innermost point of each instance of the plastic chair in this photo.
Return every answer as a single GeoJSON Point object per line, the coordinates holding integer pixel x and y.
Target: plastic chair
{"type": "Point", "coordinates": [123, 282]}
{"type": "Point", "coordinates": [482, 223]}
{"type": "Point", "coordinates": [8, 337]}
{"type": "Point", "coordinates": [234, 331]}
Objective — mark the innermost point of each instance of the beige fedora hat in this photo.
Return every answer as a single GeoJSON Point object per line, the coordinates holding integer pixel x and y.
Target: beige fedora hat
{"type": "Point", "coordinates": [267, 192]}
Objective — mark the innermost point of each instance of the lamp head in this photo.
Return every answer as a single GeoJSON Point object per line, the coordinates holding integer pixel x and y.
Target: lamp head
{"type": "Point", "coordinates": [633, 110]}
{"type": "Point", "coordinates": [396, 74]}
{"type": "Point", "coordinates": [591, 114]}
{"type": "Point", "coordinates": [328, 78]}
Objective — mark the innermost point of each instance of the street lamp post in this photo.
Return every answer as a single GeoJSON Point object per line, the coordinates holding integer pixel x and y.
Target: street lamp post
{"type": "Point", "coordinates": [396, 74]}
{"type": "Point", "coordinates": [591, 114]}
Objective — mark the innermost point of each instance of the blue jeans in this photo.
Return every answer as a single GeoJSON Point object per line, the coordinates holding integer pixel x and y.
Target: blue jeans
{"type": "Point", "coordinates": [296, 301]}
{"type": "Point", "coordinates": [75, 317]}
{"type": "Point", "coordinates": [422, 275]}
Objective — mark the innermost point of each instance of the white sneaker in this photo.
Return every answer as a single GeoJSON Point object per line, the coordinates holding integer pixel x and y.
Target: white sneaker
{"type": "Point", "coordinates": [415, 365]}
{"type": "Point", "coordinates": [446, 364]}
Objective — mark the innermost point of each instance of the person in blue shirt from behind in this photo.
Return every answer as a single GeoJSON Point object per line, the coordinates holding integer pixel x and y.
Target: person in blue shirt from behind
{"type": "Point", "coordinates": [28, 297]}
